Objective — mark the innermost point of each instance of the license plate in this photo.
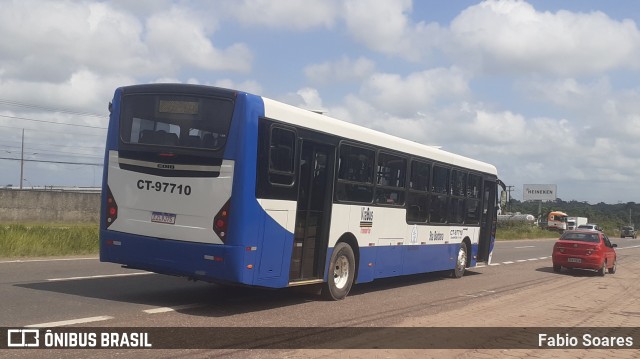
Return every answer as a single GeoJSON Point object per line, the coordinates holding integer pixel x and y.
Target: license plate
{"type": "Point", "coordinates": [574, 260]}
{"type": "Point", "coordinates": [166, 218]}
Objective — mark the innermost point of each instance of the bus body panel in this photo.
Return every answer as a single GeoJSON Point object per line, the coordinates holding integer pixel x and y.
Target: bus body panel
{"type": "Point", "coordinates": [387, 251]}
{"type": "Point", "coordinates": [141, 196]}
{"type": "Point", "coordinates": [180, 258]}
{"type": "Point", "coordinates": [277, 241]}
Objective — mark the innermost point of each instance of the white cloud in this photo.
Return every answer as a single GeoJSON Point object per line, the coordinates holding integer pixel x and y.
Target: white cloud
{"type": "Point", "coordinates": [84, 91]}
{"type": "Point", "coordinates": [511, 36]}
{"type": "Point", "coordinates": [415, 92]}
{"type": "Point", "coordinates": [290, 14]}
{"type": "Point", "coordinates": [566, 92]}
{"type": "Point", "coordinates": [307, 98]}
{"type": "Point", "coordinates": [248, 86]}
{"type": "Point", "coordinates": [344, 69]}
{"type": "Point", "coordinates": [177, 38]}
{"type": "Point", "coordinates": [50, 40]}
{"type": "Point", "coordinates": [385, 26]}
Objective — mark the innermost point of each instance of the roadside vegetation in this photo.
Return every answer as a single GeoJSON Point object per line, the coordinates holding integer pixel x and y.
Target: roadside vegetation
{"type": "Point", "coordinates": [611, 217]}
{"type": "Point", "coordinates": [506, 231]}
{"type": "Point", "coordinates": [40, 240]}
{"type": "Point", "coordinates": [47, 239]}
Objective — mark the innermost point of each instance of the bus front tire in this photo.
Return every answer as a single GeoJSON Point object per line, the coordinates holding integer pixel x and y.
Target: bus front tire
{"type": "Point", "coordinates": [342, 270]}
{"type": "Point", "coordinates": [461, 262]}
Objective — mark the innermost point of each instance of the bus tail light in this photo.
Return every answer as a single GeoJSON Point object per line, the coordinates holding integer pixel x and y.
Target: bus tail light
{"type": "Point", "coordinates": [112, 208]}
{"type": "Point", "coordinates": [221, 222]}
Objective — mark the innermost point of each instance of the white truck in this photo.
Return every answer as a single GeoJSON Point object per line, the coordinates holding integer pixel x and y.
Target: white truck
{"type": "Point", "coordinates": [574, 222]}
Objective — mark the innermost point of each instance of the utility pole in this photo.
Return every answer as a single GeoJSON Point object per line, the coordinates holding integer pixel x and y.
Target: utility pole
{"type": "Point", "coordinates": [22, 161]}
{"type": "Point", "coordinates": [509, 189]}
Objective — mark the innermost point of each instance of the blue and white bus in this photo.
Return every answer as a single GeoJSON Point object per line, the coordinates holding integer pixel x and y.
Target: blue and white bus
{"type": "Point", "coordinates": [228, 187]}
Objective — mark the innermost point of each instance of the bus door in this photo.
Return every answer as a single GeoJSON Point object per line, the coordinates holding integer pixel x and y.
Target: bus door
{"type": "Point", "coordinates": [313, 215]}
{"type": "Point", "coordinates": [488, 221]}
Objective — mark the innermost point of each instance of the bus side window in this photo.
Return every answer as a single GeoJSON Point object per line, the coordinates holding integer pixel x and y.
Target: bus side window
{"type": "Point", "coordinates": [418, 199]}
{"type": "Point", "coordinates": [355, 174]}
{"type": "Point", "coordinates": [281, 156]}
{"type": "Point", "coordinates": [439, 199]}
{"type": "Point", "coordinates": [390, 179]}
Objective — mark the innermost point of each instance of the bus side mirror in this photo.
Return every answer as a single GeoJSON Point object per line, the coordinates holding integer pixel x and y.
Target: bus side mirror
{"type": "Point", "coordinates": [110, 107]}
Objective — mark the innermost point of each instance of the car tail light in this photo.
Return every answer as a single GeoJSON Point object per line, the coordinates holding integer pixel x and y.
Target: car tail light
{"type": "Point", "coordinates": [560, 249]}
{"type": "Point", "coordinates": [112, 209]}
{"type": "Point", "coordinates": [221, 222]}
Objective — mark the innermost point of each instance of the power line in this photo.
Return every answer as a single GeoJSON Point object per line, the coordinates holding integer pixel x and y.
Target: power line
{"type": "Point", "coordinates": [58, 162]}
{"type": "Point", "coordinates": [52, 122]}
{"type": "Point", "coordinates": [52, 109]}
{"type": "Point", "coordinates": [50, 131]}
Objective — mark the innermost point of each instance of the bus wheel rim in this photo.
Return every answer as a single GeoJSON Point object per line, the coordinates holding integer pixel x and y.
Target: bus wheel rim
{"type": "Point", "coordinates": [341, 272]}
{"type": "Point", "coordinates": [462, 259]}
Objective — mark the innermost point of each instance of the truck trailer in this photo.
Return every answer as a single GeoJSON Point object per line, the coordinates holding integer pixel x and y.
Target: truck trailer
{"type": "Point", "coordinates": [574, 222]}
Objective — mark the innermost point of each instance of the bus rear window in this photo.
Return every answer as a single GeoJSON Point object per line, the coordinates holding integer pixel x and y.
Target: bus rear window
{"type": "Point", "coordinates": [175, 120]}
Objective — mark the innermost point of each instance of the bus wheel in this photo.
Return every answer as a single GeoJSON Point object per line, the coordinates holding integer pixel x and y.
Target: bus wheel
{"type": "Point", "coordinates": [342, 269]}
{"type": "Point", "coordinates": [461, 262]}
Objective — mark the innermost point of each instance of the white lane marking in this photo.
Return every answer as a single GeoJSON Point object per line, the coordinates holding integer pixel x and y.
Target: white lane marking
{"type": "Point", "coordinates": [512, 262]}
{"type": "Point", "coordinates": [171, 309]}
{"type": "Point", "coordinates": [47, 260]}
{"type": "Point", "coordinates": [524, 247]}
{"type": "Point", "coordinates": [618, 248]}
{"type": "Point", "coordinates": [69, 322]}
{"type": "Point", "coordinates": [98, 276]}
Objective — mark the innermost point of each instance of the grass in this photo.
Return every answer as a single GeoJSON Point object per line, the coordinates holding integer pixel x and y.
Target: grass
{"type": "Point", "coordinates": [41, 240]}
{"type": "Point", "coordinates": [513, 231]}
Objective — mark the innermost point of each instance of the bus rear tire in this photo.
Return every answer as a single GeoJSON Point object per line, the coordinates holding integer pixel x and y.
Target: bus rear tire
{"type": "Point", "coordinates": [342, 270]}
{"type": "Point", "coordinates": [461, 262]}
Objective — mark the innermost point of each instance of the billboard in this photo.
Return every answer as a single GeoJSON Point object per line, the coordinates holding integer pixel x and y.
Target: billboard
{"type": "Point", "coordinates": [539, 192]}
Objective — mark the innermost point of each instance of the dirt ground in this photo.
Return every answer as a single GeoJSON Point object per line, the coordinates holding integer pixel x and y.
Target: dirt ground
{"type": "Point", "coordinates": [572, 301]}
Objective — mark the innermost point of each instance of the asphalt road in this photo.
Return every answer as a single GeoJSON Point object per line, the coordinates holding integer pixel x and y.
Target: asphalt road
{"type": "Point", "coordinates": [82, 292]}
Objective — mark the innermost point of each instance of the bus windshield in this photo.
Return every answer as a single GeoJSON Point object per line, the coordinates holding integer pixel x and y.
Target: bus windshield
{"type": "Point", "coordinates": [175, 121]}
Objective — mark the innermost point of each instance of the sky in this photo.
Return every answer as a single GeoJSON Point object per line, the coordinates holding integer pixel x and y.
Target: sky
{"type": "Point", "coordinates": [547, 91]}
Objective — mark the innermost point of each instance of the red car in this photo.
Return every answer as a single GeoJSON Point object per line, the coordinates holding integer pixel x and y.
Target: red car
{"type": "Point", "coordinates": [584, 249]}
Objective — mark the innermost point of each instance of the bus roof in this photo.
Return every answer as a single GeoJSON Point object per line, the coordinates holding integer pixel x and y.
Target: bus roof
{"type": "Point", "coordinates": [309, 119]}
